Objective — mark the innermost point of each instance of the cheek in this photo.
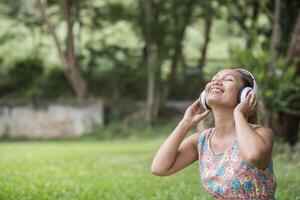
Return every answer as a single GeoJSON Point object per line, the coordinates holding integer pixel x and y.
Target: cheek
{"type": "Point", "coordinates": [233, 92]}
{"type": "Point", "coordinates": [207, 86]}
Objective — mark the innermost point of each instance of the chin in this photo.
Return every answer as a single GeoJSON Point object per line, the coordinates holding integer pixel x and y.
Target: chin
{"type": "Point", "coordinates": [214, 99]}
{"type": "Point", "coordinates": [220, 102]}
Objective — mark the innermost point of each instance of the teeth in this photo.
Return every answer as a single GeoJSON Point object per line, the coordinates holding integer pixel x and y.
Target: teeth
{"type": "Point", "coordinates": [216, 90]}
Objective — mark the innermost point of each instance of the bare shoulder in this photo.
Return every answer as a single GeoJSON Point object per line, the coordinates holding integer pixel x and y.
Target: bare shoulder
{"type": "Point", "coordinates": [195, 136]}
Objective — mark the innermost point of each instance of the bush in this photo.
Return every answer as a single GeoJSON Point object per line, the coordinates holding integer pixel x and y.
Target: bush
{"type": "Point", "coordinates": [22, 78]}
{"type": "Point", "coordinates": [117, 130]}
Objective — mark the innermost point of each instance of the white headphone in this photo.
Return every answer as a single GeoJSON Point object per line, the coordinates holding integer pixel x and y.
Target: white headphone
{"type": "Point", "coordinates": [241, 95]}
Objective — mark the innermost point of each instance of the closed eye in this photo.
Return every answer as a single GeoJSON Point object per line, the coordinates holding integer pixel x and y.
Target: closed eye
{"type": "Point", "coordinates": [213, 78]}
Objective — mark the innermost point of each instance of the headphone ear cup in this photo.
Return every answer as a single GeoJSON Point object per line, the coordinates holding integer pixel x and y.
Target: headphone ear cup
{"type": "Point", "coordinates": [202, 100]}
{"type": "Point", "coordinates": [243, 93]}
{"type": "Point", "coordinates": [239, 95]}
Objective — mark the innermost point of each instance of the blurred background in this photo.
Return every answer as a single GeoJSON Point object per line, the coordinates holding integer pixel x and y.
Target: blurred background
{"type": "Point", "coordinates": [101, 83]}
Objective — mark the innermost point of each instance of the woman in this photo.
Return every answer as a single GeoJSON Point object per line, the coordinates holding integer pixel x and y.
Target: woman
{"type": "Point", "coordinates": [235, 156]}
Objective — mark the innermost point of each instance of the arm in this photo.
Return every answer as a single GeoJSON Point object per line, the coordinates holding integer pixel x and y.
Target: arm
{"type": "Point", "coordinates": [255, 145]}
{"type": "Point", "coordinates": [175, 154]}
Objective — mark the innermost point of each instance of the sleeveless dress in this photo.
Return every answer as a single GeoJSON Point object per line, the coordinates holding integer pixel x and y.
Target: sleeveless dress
{"type": "Point", "coordinates": [227, 176]}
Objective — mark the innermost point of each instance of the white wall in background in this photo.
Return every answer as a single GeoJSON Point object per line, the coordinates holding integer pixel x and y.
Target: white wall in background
{"type": "Point", "coordinates": [52, 120]}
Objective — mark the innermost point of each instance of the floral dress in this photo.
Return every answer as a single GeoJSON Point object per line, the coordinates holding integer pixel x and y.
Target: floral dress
{"type": "Point", "coordinates": [227, 176]}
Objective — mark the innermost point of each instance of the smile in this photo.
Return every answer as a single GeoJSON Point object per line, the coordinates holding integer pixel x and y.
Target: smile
{"type": "Point", "coordinates": [216, 90]}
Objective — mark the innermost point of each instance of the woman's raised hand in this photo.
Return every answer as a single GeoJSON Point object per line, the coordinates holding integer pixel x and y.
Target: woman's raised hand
{"type": "Point", "coordinates": [192, 115]}
{"type": "Point", "coordinates": [247, 107]}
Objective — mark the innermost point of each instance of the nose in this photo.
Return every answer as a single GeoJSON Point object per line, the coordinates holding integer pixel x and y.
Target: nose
{"type": "Point", "coordinates": [217, 82]}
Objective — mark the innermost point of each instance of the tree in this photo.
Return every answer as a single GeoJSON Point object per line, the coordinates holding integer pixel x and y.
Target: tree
{"type": "Point", "coordinates": [182, 18]}
{"type": "Point", "coordinates": [69, 61]}
{"type": "Point", "coordinates": [293, 51]}
{"type": "Point", "coordinates": [207, 13]}
{"type": "Point", "coordinates": [290, 122]}
{"type": "Point", "coordinates": [245, 14]}
{"type": "Point", "coordinates": [163, 24]}
{"type": "Point", "coordinates": [151, 112]}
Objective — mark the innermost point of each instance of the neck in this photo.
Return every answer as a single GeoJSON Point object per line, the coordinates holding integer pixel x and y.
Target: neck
{"type": "Point", "coordinates": [224, 122]}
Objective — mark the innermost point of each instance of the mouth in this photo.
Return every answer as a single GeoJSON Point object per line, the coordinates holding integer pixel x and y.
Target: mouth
{"type": "Point", "coordinates": [216, 90]}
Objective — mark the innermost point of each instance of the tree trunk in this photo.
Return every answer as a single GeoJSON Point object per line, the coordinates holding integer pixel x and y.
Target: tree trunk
{"type": "Point", "coordinates": [290, 127]}
{"type": "Point", "coordinates": [287, 125]}
{"type": "Point", "coordinates": [294, 45]}
{"type": "Point", "coordinates": [202, 60]}
{"type": "Point", "coordinates": [276, 36]}
{"type": "Point", "coordinates": [152, 89]}
{"type": "Point", "coordinates": [151, 110]}
{"type": "Point", "coordinates": [177, 52]}
{"type": "Point", "coordinates": [74, 71]}
{"type": "Point", "coordinates": [207, 29]}
{"type": "Point", "coordinates": [68, 60]}
{"type": "Point", "coordinates": [290, 123]}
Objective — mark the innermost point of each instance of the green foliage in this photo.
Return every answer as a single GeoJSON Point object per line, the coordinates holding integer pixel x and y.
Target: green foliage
{"type": "Point", "coordinates": [22, 78]}
{"type": "Point", "coordinates": [109, 40]}
{"type": "Point", "coordinates": [138, 130]}
{"type": "Point", "coordinates": [116, 69]}
{"type": "Point", "coordinates": [110, 45]}
{"type": "Point", "coordinates": [280, 90]}
{"type": "Point", "coordinates": [55, 84]}
{"type": "Point", "coordinates": [27, 78]}
{"type": "Point", "coordinates": [284, 92]}
{"type": "Point", "coordinates": [117, 109]}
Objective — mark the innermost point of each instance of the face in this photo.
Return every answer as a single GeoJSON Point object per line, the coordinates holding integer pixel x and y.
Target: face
{"type": "Point", "coordinates": [223, 88]}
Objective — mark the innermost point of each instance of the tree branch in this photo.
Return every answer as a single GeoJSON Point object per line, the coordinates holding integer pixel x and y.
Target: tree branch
{"type": "Point", "coordinates": [51, 30]}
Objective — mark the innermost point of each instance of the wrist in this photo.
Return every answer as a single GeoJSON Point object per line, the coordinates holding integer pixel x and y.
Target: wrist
{"type": "Point", "coordinates": [186, 123]}
{"type": "Point", "coordinates": [238, 113]}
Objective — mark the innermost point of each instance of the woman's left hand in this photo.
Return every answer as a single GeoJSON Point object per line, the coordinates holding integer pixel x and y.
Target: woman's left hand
{"type": "Point", "coordinates": [247, 106]}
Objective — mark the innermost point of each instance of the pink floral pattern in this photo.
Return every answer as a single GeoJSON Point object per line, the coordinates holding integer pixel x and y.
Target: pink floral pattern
{"type": "Point", "coordinates": [228, 176]}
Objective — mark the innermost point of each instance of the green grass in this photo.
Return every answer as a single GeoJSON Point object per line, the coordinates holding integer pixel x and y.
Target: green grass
{"type": "Point", "coordinates": [109, 170]}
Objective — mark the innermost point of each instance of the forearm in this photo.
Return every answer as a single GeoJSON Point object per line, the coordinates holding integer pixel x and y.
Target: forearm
{"type": "Point", "coordinates": [251, 144]}
{"type": "Point", "coordinates": [166, 155]}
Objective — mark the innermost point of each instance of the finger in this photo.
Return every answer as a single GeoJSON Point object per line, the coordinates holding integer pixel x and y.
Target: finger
{"type": "Point", "coordinates": [199, 117]}
{"type": "Point", "coordinates": [196, 102]}
{"type": "Point", "coordinates": [196, 105]}
{"type": "Point", "coordinates": [248, 97]}
{"type": "Point", "coordinates": [252, 98]}
{"type": "Point", "coordinates": [204, 113]}
{"type": "Point", "coordinates": [252, 109]}
{"type": "Point", "coordinates": [254, 103]}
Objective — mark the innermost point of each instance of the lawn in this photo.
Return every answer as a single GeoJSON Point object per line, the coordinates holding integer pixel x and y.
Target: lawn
{"type": "Point", "coordinates": [110, 170]}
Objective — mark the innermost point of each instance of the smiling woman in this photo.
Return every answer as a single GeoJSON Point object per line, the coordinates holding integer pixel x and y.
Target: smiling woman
{"type": "Point", "coordinates": [235, 156]}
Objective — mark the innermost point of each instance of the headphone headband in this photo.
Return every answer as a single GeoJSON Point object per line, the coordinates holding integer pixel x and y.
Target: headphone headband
{"type": "Point", "coordinates": [255, 88]}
